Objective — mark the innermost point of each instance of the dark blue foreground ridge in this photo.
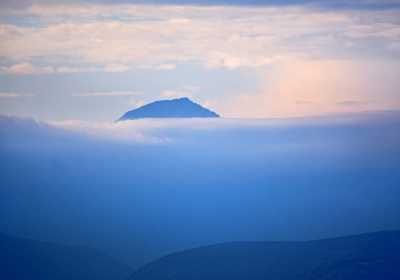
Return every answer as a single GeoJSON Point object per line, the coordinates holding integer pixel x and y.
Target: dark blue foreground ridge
{"type": "Point", "coordinates": [365, 256]}
{"type": "Point", "coordinates": [173, 108]}
{"type": "Point", "coordinates": [27, 259]}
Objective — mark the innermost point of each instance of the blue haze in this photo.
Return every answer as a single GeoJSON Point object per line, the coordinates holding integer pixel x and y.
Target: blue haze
{"type": "Point", "coordinates": [204, 182]}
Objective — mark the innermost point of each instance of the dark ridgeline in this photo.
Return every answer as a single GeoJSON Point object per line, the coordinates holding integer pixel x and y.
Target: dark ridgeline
{"type": "Point", "coordinates": [364, 257]}
{"type": "Point", "coordinates": [367, 256]}
{"type": "Point", "coordinates": [26, 259]}
{"type": "Point", "coordinates": [174, 108]}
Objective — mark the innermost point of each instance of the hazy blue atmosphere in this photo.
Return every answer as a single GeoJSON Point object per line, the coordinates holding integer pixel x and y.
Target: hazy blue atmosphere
{"type": "Point", "coordinates": [157, 186]}
{"type": "Point", "coordinates": [199, 139]}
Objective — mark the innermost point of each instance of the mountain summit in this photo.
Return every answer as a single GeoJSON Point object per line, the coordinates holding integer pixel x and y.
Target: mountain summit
{"type": "Point", "coordinates": [173, 108]}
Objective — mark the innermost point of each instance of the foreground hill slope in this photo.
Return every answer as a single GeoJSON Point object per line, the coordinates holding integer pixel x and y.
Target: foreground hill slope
{"type": "Point", "coordinates": [174, 108]}
{"type": "Point", "coordinates": [28, 259]}
{"type": "Point", "coordinates": [367, 256]}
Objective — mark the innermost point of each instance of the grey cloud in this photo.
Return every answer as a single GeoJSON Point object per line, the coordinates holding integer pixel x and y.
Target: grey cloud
{"type": "Point", "coordinates": [330, 4]}
{"type": "Point", "coordinates": [351, 103]}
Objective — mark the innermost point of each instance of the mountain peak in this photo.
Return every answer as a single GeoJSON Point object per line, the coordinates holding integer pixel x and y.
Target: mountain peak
{"type": "Point", "coordinates": [183, 99]}
{"type": "Point", "coordinates": [170, 108]}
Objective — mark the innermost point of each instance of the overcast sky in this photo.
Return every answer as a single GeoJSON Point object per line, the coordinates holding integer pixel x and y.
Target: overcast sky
{"type": "Point", "coordinates": [94, 60]}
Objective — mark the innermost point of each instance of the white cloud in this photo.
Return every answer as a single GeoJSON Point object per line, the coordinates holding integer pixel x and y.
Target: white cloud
{"type": "Point", "coordinates": [169, 94]}
{"type": "Point", "coordinates": [166, 66]}
{"type": "Point", "coordinates": [124, 36]}
{"type": "Point", "coordinates": [136, 103]}
{"type": "Point", "coordinates": [69, 70]}
{"type": "Point", "coordinates": [307, 60]}
{"type": "Point", "coordinates": [9, 95]}
{"type": "Point", "coordinates": [161, 131]}
{"type": "Point", "coordinates": [107, 94]}
{"type": "Point", "coordinates": [303, 87]}
{"type": "Point", "coordinates": [115, 68]}
{"type": "Point", "coordinates": [26, 68]}
{"type": "Point", "coordinates": [184, 91]}
{"type": "Point", "coordinates": [14, 95]}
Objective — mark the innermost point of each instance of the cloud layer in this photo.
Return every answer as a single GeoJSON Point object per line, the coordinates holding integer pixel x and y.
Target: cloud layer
{"type": "Point", "coordinates": [227, 37]}
{"type": "Point", "coordinates": [156, 186]}
{"type": "Point", "coordinates": [300, 58]}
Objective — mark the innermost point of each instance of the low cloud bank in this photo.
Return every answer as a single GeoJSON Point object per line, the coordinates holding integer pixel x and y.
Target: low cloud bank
{"type": "Point", "coordinates": [172, 130]}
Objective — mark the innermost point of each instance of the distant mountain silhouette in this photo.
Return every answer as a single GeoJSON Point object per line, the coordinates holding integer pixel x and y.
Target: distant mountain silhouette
{"type": "Point", "coordinates": [24, 259]}
{"type": "Point", "coordinates": [174, 108]}
{"type": "Point", "coordinates": [367, 256]}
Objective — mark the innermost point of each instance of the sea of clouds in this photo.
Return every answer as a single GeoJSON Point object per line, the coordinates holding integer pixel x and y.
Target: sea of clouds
{"type": "Point", "coordinates": [143, 188]}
